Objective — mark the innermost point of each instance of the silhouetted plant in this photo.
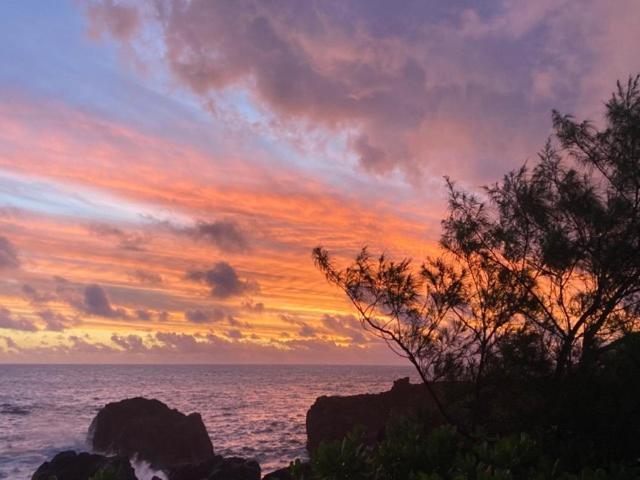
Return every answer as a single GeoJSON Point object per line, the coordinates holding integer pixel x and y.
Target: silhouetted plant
{"type": "Point", "coordinates": [409, 311]}
{"type": "Point", "coordinates": [411, 453]}
{"type": "Point", "coordinates": [540, 272]}
{"type": "Point", "coordinates": [106, 473]}
{"type": "Point", "coordinates": [446, 319]}
{"type": "Point", "coordinates": [348, 459]}
{"type": "Point", "coordinates": [567, 231]}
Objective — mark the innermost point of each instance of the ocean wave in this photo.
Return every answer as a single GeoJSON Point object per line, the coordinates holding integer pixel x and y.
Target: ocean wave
{"type": "Point", "coordinates": [145, 472]}
{"type": "Point", "coordinates": [12, 409]}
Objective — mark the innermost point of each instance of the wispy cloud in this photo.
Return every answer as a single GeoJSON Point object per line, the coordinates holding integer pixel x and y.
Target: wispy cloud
{"type": "Point", "coordinates": [8, 255]}
{"type": "Point", "coordinates": [247, 133]}
{"type": "Point", "coordinates": [10, 321]}
{"type": "Point", "coordinates": [417, 87]}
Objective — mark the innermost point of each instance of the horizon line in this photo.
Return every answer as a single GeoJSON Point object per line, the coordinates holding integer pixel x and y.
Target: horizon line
{"type": "Point", "coordinates": [208, 364]}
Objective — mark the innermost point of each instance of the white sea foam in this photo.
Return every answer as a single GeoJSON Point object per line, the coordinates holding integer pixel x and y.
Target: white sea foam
{"type": "Point", "coordinates": [144, 470]}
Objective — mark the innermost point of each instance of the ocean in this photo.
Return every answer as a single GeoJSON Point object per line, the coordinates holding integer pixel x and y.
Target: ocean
{"type": "Point", "coordinates": [255, 411]}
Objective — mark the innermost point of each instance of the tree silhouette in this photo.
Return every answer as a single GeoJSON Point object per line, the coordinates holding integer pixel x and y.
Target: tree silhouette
{"type": "Point", "coordinates": [550, 253]}
{"type": "Point", "coordinates": [567, 231]}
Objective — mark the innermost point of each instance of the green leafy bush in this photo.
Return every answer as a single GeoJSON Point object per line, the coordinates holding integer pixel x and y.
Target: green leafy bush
{"type": "Point", "coordinates": [106, 473]}
{"type": "Point", "coordinates": [410, 453]}
{"type": "Point", "coordinates": [349, 459]}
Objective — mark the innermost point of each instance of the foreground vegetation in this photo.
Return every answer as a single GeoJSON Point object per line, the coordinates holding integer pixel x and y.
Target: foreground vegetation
{"type": "Point", "coordinates": [590, 433]}
{"type": "Point", "coordinates": [531, 312]}
{"type": "Point", "coordinates": [409, 453]}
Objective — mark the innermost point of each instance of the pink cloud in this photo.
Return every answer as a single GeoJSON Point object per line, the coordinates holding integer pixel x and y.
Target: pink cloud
{"type": "Point", "coordinates": [396, 78]}
{"type": "Point", "coordinates": [176, 347]}
{"type": "Point", "coordinates": [121, 21]}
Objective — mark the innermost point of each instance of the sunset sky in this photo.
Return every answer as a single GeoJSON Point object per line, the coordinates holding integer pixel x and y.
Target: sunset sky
{"type": "Point", "coordinates": [166, 167]}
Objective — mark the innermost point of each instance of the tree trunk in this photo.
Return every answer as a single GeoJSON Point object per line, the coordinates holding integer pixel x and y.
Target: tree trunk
{"type": "Point", "coordinates": [563, 358]}
{"type": "Point", "coordinates": [589, 353]}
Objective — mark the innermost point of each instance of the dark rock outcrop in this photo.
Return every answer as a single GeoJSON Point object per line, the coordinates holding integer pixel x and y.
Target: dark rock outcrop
{"type": "Point", "coordinates": [152, 431]}
{"type": "Point", "coordinates": [218, 468]}
{"type": "Point", "coordinates": [331, 418]}
{"type": "Point", "coordinates": [280, 474]}
{"type": "Point", "coordinates": [70, 465]}
{"type": "Point", "coordinates": [303, 470]}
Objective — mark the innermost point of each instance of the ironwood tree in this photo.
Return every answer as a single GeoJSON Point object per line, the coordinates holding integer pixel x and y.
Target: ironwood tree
{"type": "Point", "coordinates": [567, 230]}
{"type": "Point", "coordinates": [550, 252]}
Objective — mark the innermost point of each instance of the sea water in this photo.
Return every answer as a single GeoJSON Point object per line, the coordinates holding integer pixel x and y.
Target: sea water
{"type": "Point", "coordinates": [253, 411]}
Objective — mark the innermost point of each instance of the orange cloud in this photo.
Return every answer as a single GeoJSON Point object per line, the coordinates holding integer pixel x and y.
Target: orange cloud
{"type": "Point", "coordinates": [130, 271]}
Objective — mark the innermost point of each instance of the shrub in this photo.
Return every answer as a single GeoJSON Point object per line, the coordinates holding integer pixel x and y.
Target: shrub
{"type": "Point", "coordinates": [411, 453]}
{"type": "Point", "coordinates": [105, 473]}
{"type": "Point", "coordinates": [348, 459]}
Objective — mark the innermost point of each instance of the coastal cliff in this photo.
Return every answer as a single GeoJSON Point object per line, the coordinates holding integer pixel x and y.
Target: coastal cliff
{"type": "Point", "coordinates": [331, 418]}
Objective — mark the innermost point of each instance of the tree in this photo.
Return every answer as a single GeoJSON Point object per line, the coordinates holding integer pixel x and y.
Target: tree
{"type": "Point", "coordinates": [408, 310]}
{"type": "Point", "coordinates": [567, 231]}
{"type": "Point", "coordinates": [446, 318]}
{"type": "Point", "coordinates": [550, 252]}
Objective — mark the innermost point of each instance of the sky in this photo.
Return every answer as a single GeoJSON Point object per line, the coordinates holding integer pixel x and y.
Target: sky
{"type": "Point", "coordinates": [166, 167]}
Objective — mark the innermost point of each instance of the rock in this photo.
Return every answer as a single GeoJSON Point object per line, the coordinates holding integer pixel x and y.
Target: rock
{"type": "Point", "coordinates": [280, 474]}
{"type": "Point", "coordinates": [218, 468]}
{"type": "Point", "coordinates": [152, 431]}
{"type": "Point", "coordinates": [70, 465]}
{"type": "Point", "coordinates": [331, 418]}
{"type": "Point", "coordinates": [302, 469]}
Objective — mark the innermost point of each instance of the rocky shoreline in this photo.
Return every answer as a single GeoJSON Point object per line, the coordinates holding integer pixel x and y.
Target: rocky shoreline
{"type": "Point", "coordinates": [178, 447]}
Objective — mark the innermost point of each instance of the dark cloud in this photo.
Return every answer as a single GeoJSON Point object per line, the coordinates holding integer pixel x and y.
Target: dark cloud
{"type": "Point", "coordinates": [146, 277]}
{"type": "Point", "coordinates": [432, 86]}
{"type": "Point", "coordinates": [12, 322]}
{"type": "Point", "coordinates": [346, 325]}
{"type": "Point", "coordinates": [306, 331]}
{"type": "Point", "coordinates": [92, 300]}
{"type": "Point", "coordinates": [223, 280]}
{"type": "Point", "coordinates": [36, 296]}
{"type": "Point", "coordinates": [96, 302]}
{"type": "Point", "coordinates": [11, 345]}
{"type": "Point", "coordinates": [126, 240]}
{"type": "Point", "coordinates": [142, 314]}
{"type": "Point", "coordinates": [84, 345]}
{"type": "Point", "coordinates": [235, 334]}
{"type": "Point", "coordinates": [224, 234]}
{"type": "Point", "coordinates": [389, 75]}
{"type": "Point", "coordinates": [234, 322]}
{"type": "Point", "coordinates": [60, 280]}
{"type": "Point", "coordinates": [68, 292]}
{"type": "Point", "coordinates": [197, 315]}
{"type": "Point", "coordinates": [179, 342]}
{"type": "Point", "coordinates": [292, 319]}
{"type": "Point", "coordinates": [147, 315]}
{"type": "Point", "coordinates": [8, 255]}
{"type": "Point", "coordinates": [257, 307]}
{"type": "Point", "coordinates": [130, 343]}
{"type": "Point", "coordinates": [56, 322]}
